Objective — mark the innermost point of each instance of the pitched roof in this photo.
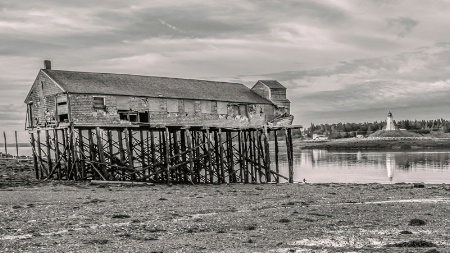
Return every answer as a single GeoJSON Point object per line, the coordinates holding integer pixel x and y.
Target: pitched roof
{"type": "Point", "coordinates": [152, 86]}
{"type": "Point", "coordinates": [274, 84]}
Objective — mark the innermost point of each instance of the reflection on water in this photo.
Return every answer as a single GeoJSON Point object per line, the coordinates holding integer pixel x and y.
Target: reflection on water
{"type": "Point", "coordinates": [322, 166]}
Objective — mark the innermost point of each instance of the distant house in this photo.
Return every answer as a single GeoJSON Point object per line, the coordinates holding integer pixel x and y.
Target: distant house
{"type": "Point", "coordinates": [60, 97]}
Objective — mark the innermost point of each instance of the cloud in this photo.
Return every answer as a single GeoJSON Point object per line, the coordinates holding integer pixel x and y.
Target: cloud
{"type": "Point", "coordinates": [401, 26]}
{"type": "Point", "coordinates": [316, 48]}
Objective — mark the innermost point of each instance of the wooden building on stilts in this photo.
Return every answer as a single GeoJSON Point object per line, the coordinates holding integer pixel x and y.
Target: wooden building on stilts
{"type": "Point", "coordinates": [118, 127]}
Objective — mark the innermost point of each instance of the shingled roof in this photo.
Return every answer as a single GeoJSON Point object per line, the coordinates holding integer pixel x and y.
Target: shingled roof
{"type": "Point", "coordinates": [152, 86]}
{"type": "Point", "coordinates": [274, 84]}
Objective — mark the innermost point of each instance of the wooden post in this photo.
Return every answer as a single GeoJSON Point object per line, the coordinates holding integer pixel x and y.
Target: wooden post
{"type": "Point", "coordinates": [184, 156]}
{"type": "Point", "coordinates": [121, 153]}
{"type": "Point", "coordinates": [82, 156]}
{"type": "Point", "coordinates": [230, 161]}
{"type": "Point", "coordinates": [66, 149]}
{"type": "Point", "coordinates": [147, 149]}
{"type": "Point", "coordinates": [92, 154]}
{"type": "Point", "coordinates": [277, 168]}
{"type": "Point", "coordinates": [110, 151]}
{"type": "Point", "coordinates": [222, 169]}
{"type": "Point", "coordinates": [40, 153]}
{"type": "Point", "coordinates": [176, 152]}
{"type": "Point", "coordinates": [141, 137]}
{"type": "Point", "coordinates": [35, 161]}
{"type": "Point", "coordinates": [289, 154]}
{"type": "Point", "coordinates": [166, 157]}
{"type": "Point", "coordinates": [129, 144]}
{"type": "Point", "coordinates": [191, 153]}
{"type": "Point", "coordinates": [245, 156]}
{"type": "Point", "coordinates": [17, 145]}
{"type": "Point", "coordinates": [72, 163]}
{"type": "Point", "coordinates": [57, 154]}
{"type": "Point", "coordinates": [49, 157]}
{"type": "Point", "coordinates": [252, 157]}
{"type": "Point", "coordinates": [241, 161]}
{"type": "Point", "coordinates": [208, 149]}
{"type": "Point", "coordinates": [4, 140]}
{"type": "Point", "coordinates": [258, 153]}
{"type": "Point", "coordinates": [267, 154]}
{"type": "Point", "coordinates": [205, 161]}
{"type": "Point", "coordinates": [101, 152]}
{"type": "Point", "coordinates": [153, 150]}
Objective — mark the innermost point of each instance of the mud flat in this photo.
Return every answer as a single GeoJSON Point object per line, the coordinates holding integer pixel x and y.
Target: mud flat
{"type": "Point", "coordinates": [376, 143]}
{"type": "Point", "coordinates": [79, 217]}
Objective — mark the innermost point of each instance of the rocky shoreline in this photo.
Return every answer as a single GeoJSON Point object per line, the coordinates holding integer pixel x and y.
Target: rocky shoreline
{"type": "Point", "coordinates": [51, 216]}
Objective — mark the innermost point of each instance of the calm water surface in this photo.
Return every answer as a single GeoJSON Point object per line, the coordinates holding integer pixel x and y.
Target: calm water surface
{"type": "Point", "coordinates": [322, 166]}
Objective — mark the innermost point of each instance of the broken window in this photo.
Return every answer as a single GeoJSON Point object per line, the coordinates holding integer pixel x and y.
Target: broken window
{"type": "Point", "coordinates": [99, 103]}
{"type": "Point", "coordinates": [133, 116]}
{"type": "Point", "coordinates": [143, 117]}
{"type": "Point", "coordinates": [62, 109]}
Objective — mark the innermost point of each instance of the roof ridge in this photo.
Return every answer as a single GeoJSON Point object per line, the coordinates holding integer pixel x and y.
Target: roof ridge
{"type": "Point", "coordinates": [166, 77]}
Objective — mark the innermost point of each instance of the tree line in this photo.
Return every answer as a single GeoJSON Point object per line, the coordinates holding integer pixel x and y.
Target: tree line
{"type": "Point", "coordinates": [348, 130]}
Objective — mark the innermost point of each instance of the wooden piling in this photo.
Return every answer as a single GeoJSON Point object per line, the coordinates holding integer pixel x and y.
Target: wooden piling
{"type": "Point", "coordinates": [267, 155]}
{"type": "Point", "coordinates": [81, 153]}
{"type": "Point", "coordinates": [101, 153]}
{"type": "Point", "coordinates": [166, 152]}
{"type": "Point", "coordinates": [57, 154]}
{"type": "Point", "coordinates": [17, 144]}
{"type": "Point", "coordinates": [191, 153]}
{"type": "Point", "coordinates": [121, 153]}
{"type": "Point", "coordinates": [289, 154]}
{"type": "Point", "coordinates": [35, 158]}
{"type": "Point", "coordinates": [180, 155]}
{"type": "Point", "coordinates": [129, 146]}
{"type": "Point", "coordinates": [48, 150]}
{"type": "Point", "coordinates": [5, 143]}
{"type": "Point", "coordinates": [277, 167]}
{"type": "Point", "coordinates": [209, 157]}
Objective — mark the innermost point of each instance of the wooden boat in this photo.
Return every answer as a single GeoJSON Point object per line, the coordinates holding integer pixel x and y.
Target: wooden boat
{"type": "Point", "coordinates": [285, 119]}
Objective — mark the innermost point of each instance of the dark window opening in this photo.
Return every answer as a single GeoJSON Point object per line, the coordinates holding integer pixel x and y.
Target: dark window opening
{"type": "Point", "coordinates": [30, 115]}
{"type": "Point", "coordinates": [42, 85]}
{"type": "Point", "coordinates": [143, 117]}
{"type": "Point", "coordinates": [123, 115]}
{"type": "Point", "coordinates": [128, 115]}
{"type": "Point", "coordinates": [63, 118]}
{"type": "Point", "coordinates": [132, 117]}
{"type": "Point", "coordinates": [99, 103]}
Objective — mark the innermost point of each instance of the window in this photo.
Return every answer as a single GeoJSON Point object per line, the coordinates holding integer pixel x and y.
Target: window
{"type": "Point", "coordinates": [99, 103]}
{"type": "Point", "coordinates": [132, 116]}
{"type": "Point", "coordinates": [62, 111]}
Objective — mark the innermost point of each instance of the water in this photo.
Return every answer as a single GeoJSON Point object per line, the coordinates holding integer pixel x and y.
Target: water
{"type": "Point", "coordinates": [322, 166]}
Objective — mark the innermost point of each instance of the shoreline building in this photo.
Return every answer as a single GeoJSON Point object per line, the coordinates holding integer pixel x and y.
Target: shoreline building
{"type": "Point", "coordinates": [59, 98]}
{"type": "Point", "coordinates": [390, 126]}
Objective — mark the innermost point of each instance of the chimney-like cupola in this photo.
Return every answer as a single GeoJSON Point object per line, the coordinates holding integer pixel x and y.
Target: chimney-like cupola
{"type": "Point", "coordinates": [47, 64]}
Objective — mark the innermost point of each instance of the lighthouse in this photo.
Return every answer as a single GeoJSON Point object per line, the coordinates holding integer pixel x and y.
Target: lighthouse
{"type": "Point", "coordinates": [390, 122]}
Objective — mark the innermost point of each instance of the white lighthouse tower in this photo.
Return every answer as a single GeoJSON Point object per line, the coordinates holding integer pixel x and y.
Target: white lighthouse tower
{"type": "Point", "coordinates": [390, 122]}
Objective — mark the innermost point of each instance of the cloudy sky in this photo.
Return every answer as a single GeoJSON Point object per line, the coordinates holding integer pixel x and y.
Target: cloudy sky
{"type": "Point", "coordinates": [341, 60]}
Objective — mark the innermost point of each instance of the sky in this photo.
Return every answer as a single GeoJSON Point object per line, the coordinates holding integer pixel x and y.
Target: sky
{"type": "Point", "coordinates": [341, 60]}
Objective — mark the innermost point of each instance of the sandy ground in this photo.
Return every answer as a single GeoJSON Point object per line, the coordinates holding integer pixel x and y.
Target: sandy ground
{"type": "Point", "coordinates": [80, 217]}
